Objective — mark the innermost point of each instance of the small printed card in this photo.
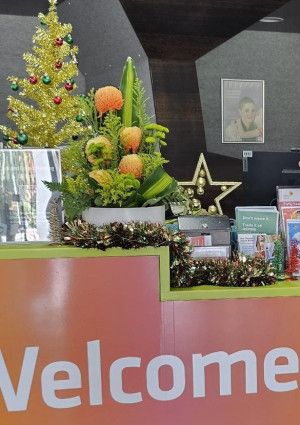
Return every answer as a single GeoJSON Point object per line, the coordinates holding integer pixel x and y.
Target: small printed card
{"type": "Point", "coordinates": [256, 220]}
{"type": "Point", "coordinates": [211, 252]}
{"type": "Point", "coordinates": [200, 240]}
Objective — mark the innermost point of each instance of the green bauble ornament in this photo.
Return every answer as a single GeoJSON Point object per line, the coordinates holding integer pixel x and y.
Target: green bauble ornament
{"type": "Point", "coordinates": [79, 118]}
{"type": "Point", "coordinates": [46, 79]}
{"type": "Point", "coordinates": [6, 138]}
{"type": "Point", "coordinates": [14, 86]}
{"type": "Point", "coordinates": [22, 138]}
{"type": "Point", "coordinates": [69, 39]}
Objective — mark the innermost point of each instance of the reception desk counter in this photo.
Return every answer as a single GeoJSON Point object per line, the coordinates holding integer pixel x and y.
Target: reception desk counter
{"type": "Point", "coordinates": [92, 338]}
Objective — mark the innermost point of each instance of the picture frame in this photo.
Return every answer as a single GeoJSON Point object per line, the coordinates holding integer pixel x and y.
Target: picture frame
{"type": "Point", "coordinates": [26, 203]}
{"type": "Point", "coordinates": [242, 103]}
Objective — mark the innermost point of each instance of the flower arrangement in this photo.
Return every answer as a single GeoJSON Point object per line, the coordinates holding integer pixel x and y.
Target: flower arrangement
{"type": "Point", "coordinates": [120, 165]}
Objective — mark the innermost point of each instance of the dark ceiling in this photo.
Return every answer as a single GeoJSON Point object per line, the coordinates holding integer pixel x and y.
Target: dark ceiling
{"type": "Point", "coordinates": [24, 7]}
{"type": "Point", "coordinates": [166, 27]}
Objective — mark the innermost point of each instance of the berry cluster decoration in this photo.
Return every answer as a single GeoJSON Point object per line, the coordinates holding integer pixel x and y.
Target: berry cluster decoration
{"type": "Point", "coordinates": [184, 270]}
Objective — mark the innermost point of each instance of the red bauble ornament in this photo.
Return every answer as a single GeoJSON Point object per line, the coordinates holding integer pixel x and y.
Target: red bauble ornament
{"type": "Point", "coordinates": [58, 65]}
{"type": "Point", "coordinates": [59, 41]}
{"type": "Point", "coordinates": [33, 79]}
{"type": "Point", "coordinates": [15, 141]}
{"type": "Point", "coordinates": [69, 86]}
{"type": "Point", "coordinates": [57, 100]}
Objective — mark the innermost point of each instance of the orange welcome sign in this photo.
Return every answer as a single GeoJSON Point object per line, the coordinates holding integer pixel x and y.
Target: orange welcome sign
{"type": "Point", "coordinates": [86, 340]}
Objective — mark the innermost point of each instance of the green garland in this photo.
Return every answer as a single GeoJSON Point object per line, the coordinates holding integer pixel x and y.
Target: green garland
{"type": "Point", "coordinates": [184, 270]}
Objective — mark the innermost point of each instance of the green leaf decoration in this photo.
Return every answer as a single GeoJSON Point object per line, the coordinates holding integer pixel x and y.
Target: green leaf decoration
{"type": "Point", "coordinates": [127, 83]}
{"type": "Point", "coordinates": [139, 114]}
{"type": "Point", "coordinates": [111, 129]}
{"type": "Point", "coordinates": [158, 184]}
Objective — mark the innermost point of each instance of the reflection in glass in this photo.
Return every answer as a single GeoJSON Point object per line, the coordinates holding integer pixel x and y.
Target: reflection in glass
{"type": "Point", "coordinates": [25, 200]}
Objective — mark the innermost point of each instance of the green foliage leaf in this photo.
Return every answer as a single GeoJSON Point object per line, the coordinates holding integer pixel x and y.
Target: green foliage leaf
{"type": "Point", "coordinates": [111, 129]}
{"type": "Point", "coordinates": [73, 158]}
{"type": "Point", "coordinates": [117, 193]}
{"type": "Point", "coordinates": [140, 116]}
{"type": "Point", "coordinates": [158, 184]}
{"type": "Point", "coordinates": [151, 162]}
{"type": "Point", "coordinates": [76, 195]}
{"type": "Point", "coordinates": [89, 112]}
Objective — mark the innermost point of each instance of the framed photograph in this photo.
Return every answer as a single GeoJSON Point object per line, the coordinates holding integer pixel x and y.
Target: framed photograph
{"type": "Point", "coordinates": [25, 201]}
{"type": "Point", "coordinates": [242, 111]}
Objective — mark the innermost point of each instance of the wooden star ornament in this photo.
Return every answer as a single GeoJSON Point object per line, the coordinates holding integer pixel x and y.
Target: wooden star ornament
{"type": "Point", "coordinates": [202, 178]}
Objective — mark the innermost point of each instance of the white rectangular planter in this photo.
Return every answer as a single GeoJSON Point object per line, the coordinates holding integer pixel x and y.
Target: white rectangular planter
{"type": "Point", "coordinates": [102, 216]}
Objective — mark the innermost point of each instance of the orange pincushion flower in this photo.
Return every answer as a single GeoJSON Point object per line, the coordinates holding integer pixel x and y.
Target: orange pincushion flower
{"type": "Point", "coordinates": [107, 99]}
{"type": "Point", "coordinates": [131, 138]}
{"type": "Point", "coordinates": [131, 164]}
{"type": "Point", "coordinates": [102, 177]}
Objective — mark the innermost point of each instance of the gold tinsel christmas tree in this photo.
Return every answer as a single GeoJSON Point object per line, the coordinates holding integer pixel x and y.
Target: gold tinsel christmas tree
{"type": "Point", "coordinates": [46, 113]}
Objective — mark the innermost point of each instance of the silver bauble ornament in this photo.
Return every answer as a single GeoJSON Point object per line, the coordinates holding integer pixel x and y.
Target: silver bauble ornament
{"type": "Point", "coordinates": [196, 204]}
{"type": "Point", "coordinates": [200, 190]}
{"type": "Point", "coordinates": [201, 181]}
{"type": "Point", "coordinates": [190, 192]}
{"type": "Point", "coordinates": [212, 209]}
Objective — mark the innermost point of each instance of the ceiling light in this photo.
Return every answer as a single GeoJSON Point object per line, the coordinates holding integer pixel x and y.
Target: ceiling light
{"type": "Point", "coordinates": [271, 19]}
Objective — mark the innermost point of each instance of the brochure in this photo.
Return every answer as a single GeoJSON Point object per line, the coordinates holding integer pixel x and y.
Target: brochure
{"type": "Point", "coordinates": [262, 220]}
{"type": "Point", "coordinates": [288, 196]}
{"type": "Point", "coordinates": [287, 213]}
{"type": "Point", "coordinates": [257, 245]}
{"type": "Point", "coordinates": [293, 233]}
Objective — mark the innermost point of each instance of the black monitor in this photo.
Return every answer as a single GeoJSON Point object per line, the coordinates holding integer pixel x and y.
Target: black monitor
{"type": "Point", "coordinates": [263, 171]}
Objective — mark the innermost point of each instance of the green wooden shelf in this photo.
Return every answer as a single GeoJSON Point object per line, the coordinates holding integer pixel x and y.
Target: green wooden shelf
{"type": "Point", "coordinates": [209, 292]}
{"type": "Point", "coordinates": [204, 292]}
{"type": "Point", "coordinates": [43, 251]}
